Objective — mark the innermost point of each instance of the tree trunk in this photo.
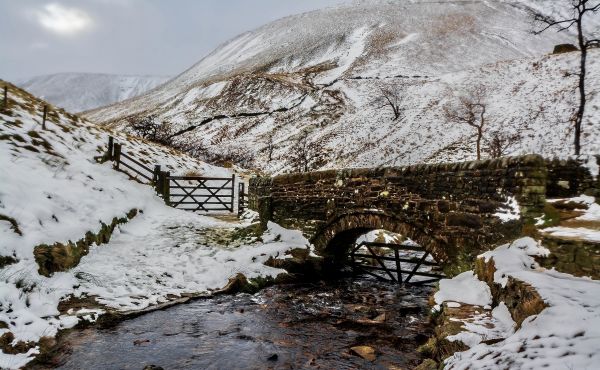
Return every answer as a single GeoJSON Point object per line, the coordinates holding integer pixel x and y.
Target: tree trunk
{"type": "Point", "coordinates": [582, 101]}
{"type": "Point", "coordinates": [479, 136]}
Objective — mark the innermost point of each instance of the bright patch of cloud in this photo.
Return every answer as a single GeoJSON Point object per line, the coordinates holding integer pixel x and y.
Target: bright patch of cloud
{"type": "Point", "coordinates": [63, 20]}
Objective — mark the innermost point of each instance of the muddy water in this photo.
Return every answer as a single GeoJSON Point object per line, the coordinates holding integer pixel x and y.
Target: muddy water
{"type": "Point", "coordinates": [282, 327]}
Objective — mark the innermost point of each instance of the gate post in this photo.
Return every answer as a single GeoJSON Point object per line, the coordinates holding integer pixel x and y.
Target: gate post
{"type": "Point", "coordinates": [109, 151]}
{"type": "Point", "coordinates": [117, 155]}
{"type": "Point", "coordinates": [156, 177]}
{"type": "Point", "coordinates": [159, 186]}
{"type": "Point", "coordinates": [166, 190]}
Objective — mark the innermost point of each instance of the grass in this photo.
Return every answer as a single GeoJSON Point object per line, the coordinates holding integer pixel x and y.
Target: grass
{"type": "Point", "coordinates": [14, 225]}
{"type": "Point", "coordinates": [193, 173]}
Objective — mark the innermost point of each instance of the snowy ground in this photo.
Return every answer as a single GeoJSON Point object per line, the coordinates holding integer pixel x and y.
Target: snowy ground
{"type": "Point", "coordinates": [565, 335]}
{"type": "Point", "coordinates": [159, 254]}
{"type": "Point", "coordinates": [591, 217]}
{"type": "Point", "coordinates": [52, 190]}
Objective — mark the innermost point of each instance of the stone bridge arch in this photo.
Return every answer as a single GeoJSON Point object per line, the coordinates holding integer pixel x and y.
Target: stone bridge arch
{"type": "Point", "coordinates": [454, 210]}
{"type": "Point", "coordinates": [338, 235]}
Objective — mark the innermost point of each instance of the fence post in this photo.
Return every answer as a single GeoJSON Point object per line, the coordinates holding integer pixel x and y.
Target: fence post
{"type": "Point", "coordinates": [166, 187]}
{"type": "Point", "coordinates": [241, 198]}
{"type": "Point", "coordinates": [232, 191]}
{"type": "Point", "coordinates": [44, 117]}
{"type": "Point", "coordinates": [109, 151]}
{"type": "Point", "coordinates": [117, 155]}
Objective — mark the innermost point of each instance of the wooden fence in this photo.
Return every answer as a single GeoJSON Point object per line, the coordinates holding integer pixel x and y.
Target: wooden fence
{"type": "Point", "coordinates": [190, 193]}
{"type": "Point", "coordinates": [371, 258]}
{"type": "Point", "coordinates": [5, 106]}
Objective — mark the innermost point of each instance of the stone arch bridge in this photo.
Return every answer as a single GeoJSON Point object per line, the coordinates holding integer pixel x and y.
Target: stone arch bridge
{"type": "Point", "coordinates": [452, 210]}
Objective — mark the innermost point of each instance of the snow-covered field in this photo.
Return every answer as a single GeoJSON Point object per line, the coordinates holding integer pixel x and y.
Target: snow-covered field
{"type": "Point", "coordinates": [77, 92]}
{"type": "Point", "coordinates": [326, 78]}
{"type": "Point", "coordinates": [52, 190]}
{"type": "Point", "coordinates": [565, 335]}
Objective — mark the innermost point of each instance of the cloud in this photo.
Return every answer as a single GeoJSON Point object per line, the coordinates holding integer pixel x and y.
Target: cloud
{"type": "Point", "coordinates": [39, 45]}
{"type": "Point", "coordinates": [63, 20]}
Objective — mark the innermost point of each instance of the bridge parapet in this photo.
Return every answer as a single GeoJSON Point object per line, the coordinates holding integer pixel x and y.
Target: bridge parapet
{"type": "Point", "coordinates": [449, 208]}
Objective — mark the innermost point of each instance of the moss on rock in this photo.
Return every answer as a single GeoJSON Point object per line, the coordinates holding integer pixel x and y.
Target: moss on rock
{"type": "Point", "coordinates": [240, 284]}
{"type": "Point", "coordinates": [63, 256]}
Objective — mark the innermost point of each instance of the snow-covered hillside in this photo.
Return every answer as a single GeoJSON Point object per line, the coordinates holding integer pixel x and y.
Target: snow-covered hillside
{"type": "Point", "coordinates": [312, 83]}
{"type": "Point", "coordinates": [54, 191]}
{"type": "Point", "coordinates": [78, 92]}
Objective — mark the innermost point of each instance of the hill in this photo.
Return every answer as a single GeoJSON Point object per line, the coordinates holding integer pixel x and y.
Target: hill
{"type": "Point", "coordinates": [77, 92]}
{"type": "Point", "coordinates": [308, 88]}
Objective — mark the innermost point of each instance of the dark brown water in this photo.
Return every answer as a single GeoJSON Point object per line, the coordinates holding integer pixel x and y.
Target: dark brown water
{"type": "Point", "coordinates": [282, 327]}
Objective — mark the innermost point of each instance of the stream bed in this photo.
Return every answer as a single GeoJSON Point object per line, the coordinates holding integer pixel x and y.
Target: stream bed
{"type": "Point", "coordinates": [311, 326]}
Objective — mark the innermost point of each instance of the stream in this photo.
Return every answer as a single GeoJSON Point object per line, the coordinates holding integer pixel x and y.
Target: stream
{"type": "Point", "coordinates": [300, 326]}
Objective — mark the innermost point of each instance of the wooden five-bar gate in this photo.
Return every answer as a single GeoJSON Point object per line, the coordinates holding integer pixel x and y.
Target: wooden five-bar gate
{"type": "Point", "coordinates": [190, 193]}
{"type": "Point", "coordinates": [400, 263]}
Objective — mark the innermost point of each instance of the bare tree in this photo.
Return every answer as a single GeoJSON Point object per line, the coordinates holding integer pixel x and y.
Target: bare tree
{"type": "Point", "coordinates": [579, 10]}
{"type": "Point", "coordinates": [306, 155]}
{"type": "Point", "coordinates": [148, 128]}
{"type": "Point", "coordinates": [392, 97]}
{"type": "Point", "coordinates": [498, 143]}
{"type": "Point", "coordinates": [270, 145]}
{"type": "Point", "coordinates": [470, 109]}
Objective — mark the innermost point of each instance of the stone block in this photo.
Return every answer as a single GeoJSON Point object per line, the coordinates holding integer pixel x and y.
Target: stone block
{"type": "Point", "coordinates": [468, 220]}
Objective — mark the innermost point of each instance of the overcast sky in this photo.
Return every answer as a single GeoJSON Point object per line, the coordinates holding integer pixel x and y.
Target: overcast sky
{"type": "Point", "coordinates": [158, 37]}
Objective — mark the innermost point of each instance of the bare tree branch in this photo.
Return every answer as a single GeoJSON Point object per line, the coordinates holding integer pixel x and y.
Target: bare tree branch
{"type": "Point", "coordinates": [551, 22]}
{"type": "Point", "coordinates": [470, 109]}
{"type": "Point", "coordinates": [307, 155]}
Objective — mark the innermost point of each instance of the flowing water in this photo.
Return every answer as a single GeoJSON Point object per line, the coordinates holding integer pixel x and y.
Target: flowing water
{"type": "Point", "coordinates": [312, 326]}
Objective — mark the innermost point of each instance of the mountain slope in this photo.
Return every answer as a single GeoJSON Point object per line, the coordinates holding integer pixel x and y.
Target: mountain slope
{"type": "Point", "coordinates": [312, 83]}
{"type": "Point", "coordinates": [78, 92]}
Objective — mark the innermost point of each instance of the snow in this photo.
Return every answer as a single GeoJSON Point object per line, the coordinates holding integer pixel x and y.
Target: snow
{"type": "Point", "coordinates": [565, 335]}
{"type": "Point", "coordinates": [58, 192]}
{"type": "Point", "coordinates": [582, 233]}
{"type": "Point", "coordinates": [160, 254]}
{"type": "Point", "coordinates": [592, 213]}
{"type": "Point", "coordinates": [485, 326]}
{"type": "Point", "coordinates": [510, 211]}
{"type": "Point", "coordinates": [464, 288]}
{"type": "Point", "coordinates": [17, 361]}
{"type": "Point", "coordinates": [357, 40]}
{"type": "Point", "coordinates": [517, 254]}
